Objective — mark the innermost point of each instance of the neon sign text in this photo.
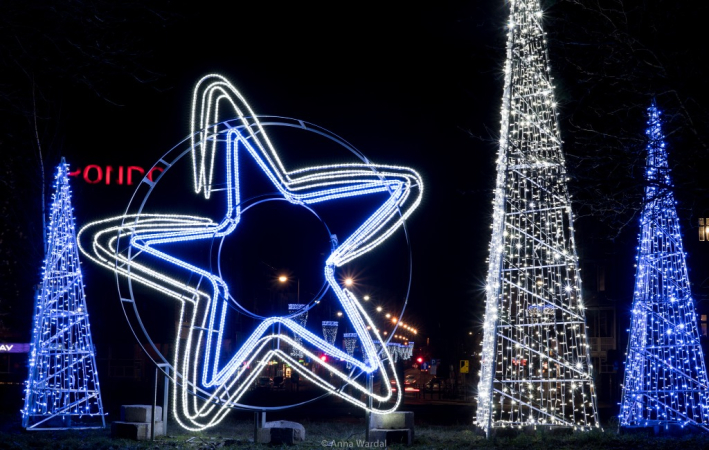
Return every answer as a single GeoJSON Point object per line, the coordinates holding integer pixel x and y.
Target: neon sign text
{"type": "Point", "coordinates": [14, 348]}
{"type": "Point", "coordinates": [95, 174]}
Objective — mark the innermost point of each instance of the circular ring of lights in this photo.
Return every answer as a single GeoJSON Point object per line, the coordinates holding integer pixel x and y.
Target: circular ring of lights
{"type": "Point", "coordinates": [140, 197]}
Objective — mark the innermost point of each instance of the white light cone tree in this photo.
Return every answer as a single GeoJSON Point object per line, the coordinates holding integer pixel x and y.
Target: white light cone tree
{"type": "Point", "coordinates": [665, 375]}
{"type": "Point", "coordinates": [536, 368]}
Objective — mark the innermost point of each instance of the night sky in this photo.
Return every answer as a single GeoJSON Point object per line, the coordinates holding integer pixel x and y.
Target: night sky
{"type": "Point", "coordinates": [406, 85]}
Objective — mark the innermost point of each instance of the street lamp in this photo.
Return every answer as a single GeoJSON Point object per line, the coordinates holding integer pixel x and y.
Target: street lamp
{"type": "Point", "coordinates": [284, 279]}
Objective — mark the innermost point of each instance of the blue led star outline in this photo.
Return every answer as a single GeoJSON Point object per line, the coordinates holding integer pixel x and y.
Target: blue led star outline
{"type": "Point", "coordinates": [306, 186]}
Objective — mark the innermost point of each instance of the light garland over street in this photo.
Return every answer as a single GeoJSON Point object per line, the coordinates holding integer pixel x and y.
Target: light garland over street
{"type": "Point", "coordinates": [329, 330]}
{"type": "Point", "coordinates": [302, 319]}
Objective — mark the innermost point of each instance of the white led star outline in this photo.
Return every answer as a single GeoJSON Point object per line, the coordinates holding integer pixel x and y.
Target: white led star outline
{"type": "Point", "coordinates": [204, 308]}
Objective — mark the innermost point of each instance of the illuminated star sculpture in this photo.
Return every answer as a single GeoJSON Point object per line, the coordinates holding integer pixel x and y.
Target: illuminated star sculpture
{"type": "Point", "coordinates": [207, 383]}
{"type": "Point", "coordinates": [665, 375]}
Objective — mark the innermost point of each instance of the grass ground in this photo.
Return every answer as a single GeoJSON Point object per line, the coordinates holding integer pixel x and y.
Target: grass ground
{"type": "Point", "coordinates": [238, 434]}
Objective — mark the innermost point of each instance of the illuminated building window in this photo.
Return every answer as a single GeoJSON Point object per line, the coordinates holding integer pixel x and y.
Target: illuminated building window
{"type": "Point", "coordinates": [703, 229]}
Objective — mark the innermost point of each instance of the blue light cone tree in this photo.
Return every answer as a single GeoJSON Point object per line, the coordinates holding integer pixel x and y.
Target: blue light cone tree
{"type": "Point", "coordinates": [535, 368]}
{"type": "Point", "coordinates": [62, 390]}
{"type": "Point", "coordinates": [665, 375]}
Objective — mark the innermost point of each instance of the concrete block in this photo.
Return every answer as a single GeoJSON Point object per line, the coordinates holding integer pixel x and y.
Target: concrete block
{"type": "Point", "coordinates": [138, 431]}
{"type": "Point", "coordinates": [391, 436]}
{"type": "Point", "coordinates": [263, 436]}
{"type": "Point", "coordinates": [275, 436]}
{"type": "Point", "coordinates": [130, 430]}
{"type": "Point", "coordinates": [298, 429]}
{"type": "Point", "coordinates": [159, 428]}
{"type": "Point", "coordinates": [140, 413]}
{"type": "Point", "coordinates": [393, 420]}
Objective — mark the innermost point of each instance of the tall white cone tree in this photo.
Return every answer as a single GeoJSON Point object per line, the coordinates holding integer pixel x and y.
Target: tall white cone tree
{"type": "Point", "coordinates": [536, 368]}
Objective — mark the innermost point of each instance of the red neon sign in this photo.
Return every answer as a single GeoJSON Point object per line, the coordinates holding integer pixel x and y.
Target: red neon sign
{"type": "Point", "coordinates": [95, 174]}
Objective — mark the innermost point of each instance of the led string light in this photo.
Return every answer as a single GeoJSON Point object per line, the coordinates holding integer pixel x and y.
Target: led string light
{"type": "Point", "coordinates": [391, 347]}
{"type": "Point", "coordinates": [109, 249]}
{"type": "Point", "coordinates": [396, 350]}
{"type": "Point", "coordinates": [349, 342]}
{"type": "Point", "coordinates": [665, 375]}
{"type": "Point", "coordinates": [329, 330]}
{"type": "Point", "coordinates": [302, 319]}
{"type": "Point", "coordinates": [135, 245]}
{"type": "Point", "coordinates": [536, 367]}
{"type": "Point", "coordinates": [408, 351]}
{"type": "Point", "coordinates": [63, 384]}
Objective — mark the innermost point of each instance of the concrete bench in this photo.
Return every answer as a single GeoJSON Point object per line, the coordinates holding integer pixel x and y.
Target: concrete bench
{"type": "Point", "coordinates": [393, 428]}
{"type": "Point", "coordinates": [140, 413]}
{"type": "Point", "coordinates": [280, 432]}
{"type": "Point", "coordinates": [137, 431]}
{"type": "Point", "coordinates": [136, 423]}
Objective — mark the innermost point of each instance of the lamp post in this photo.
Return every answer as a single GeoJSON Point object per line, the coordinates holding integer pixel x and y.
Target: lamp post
{"type": "Point", "coordinates": [303, 317]}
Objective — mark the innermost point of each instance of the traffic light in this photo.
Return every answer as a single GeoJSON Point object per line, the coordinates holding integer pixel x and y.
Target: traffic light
{"type": "Point", "coordinates": [323, 358]}
{"type": "Point", "coordinates": [419, 360]}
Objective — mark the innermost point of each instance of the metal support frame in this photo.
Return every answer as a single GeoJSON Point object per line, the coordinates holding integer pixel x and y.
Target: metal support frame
{"type": "Point", "coordinates": [165, 368]}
